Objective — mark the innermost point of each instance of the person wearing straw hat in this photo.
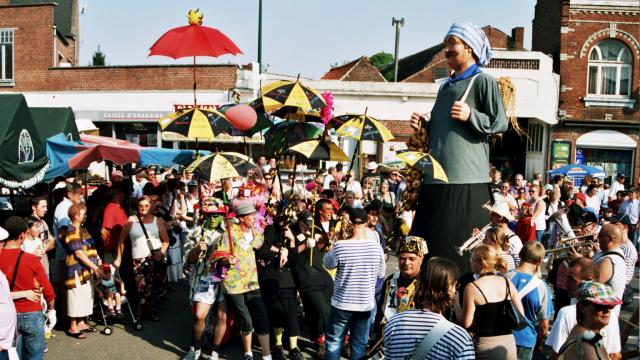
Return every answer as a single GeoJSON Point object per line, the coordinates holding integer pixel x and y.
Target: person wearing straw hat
{"type": "Point", "coordinates": [594, 310]}
{"type": "Point", "coordinates": [241, 287]}
{"type": "Point", "coordinates": [501, 216]}
{"type": "Point", "coordinates": [468, 109]}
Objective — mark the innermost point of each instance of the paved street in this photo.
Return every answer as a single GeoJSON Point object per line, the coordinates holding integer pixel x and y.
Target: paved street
{"type": "Point", "coordinates": [168, 338]}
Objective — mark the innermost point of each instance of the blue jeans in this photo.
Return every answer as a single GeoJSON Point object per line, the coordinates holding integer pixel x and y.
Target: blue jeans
{"type": "Point", "coordinates": [341, 321]}
{"type": "Point", "coordinates": [30, 335]}
{"type": "Point", "coordinates": [539, 234]}
{"type": "Point", "coordinates": [524, 353]}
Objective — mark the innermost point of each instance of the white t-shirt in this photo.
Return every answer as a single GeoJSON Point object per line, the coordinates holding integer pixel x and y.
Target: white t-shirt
{"type": "Point", "coordinates": [594, 202]}
{"type": "Point", "coordinates": [567, 320]}
{"type": "Point", "coordinates": [613, 190]}
{"type": "Point", "coordinates": [508, 199]}
{"type": "Point", "coordinates": [327, 180]}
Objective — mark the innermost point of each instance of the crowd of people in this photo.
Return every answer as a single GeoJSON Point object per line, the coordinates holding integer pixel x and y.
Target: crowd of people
{"type": "Point", "coordinates": [316, 248]}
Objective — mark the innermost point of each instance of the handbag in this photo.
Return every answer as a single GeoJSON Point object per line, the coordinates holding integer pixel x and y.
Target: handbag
{"type": "Point", "coordinates": [515, 319]}
{"type": "Point", "coordinates": [146, 235]}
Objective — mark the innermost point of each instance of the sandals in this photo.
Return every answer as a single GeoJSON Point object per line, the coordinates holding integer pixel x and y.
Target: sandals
{"type": "Point", "coordinates": [77, 335]}
{"type": "Point", "coordinates": [89, 329]}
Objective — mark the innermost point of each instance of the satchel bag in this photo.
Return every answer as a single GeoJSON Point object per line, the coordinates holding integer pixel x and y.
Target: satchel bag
{"type": "Point", "coordinates": [515, 319]}
{"type": "Point", "coordinates": [146, 235]}
{"type": "Point", "coordinates": [430, 339]}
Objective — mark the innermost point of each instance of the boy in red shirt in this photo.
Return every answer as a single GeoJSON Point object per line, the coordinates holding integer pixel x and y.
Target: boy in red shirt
{"type": "Point", "coordinates": [27, 281]}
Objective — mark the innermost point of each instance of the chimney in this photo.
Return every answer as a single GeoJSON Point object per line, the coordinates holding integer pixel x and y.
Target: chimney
{"type": "Point", "coordinates": [517, 35]}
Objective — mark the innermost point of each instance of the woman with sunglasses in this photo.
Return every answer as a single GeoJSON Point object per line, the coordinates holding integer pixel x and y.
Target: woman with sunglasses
{"type": "Point", "coordinates": [538, 207]}
{"type": "Point", "coordinates": [521, 199]}
{"type": "Point", "coordinates": [149, 244]}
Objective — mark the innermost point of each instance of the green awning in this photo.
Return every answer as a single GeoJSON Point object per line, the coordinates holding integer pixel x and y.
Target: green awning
{"type": "Point", "coordinates": [51, 121]}
{"type": "Point", "coordinates": [23, 160]}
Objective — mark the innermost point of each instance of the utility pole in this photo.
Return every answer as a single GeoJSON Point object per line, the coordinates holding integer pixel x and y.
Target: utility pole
{"type": "Point", "coordinates": [259, 36]}
{"type": "Point", "coordinates": [397, 23]}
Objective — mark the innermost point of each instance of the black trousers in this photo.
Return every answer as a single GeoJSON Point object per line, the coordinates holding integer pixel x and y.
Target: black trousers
{"type": "Point", "coordinates": [446, 215]}
{"type": "Point", "coordinates": [251, 314]}
{"type": "Point", "coordinates": [317, 305]}
{"type": "Point", "coordinates": [281, 306]}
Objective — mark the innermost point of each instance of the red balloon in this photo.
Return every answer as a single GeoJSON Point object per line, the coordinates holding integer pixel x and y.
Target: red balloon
{"type": "Point", "coordinates": [242, 117]}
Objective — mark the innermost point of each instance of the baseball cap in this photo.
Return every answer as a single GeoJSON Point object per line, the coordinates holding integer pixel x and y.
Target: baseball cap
{"type": "Point", "coordinates": [621, 218]}
{"type": "Point", "coordinates": [597, 293]}
{"type": "Point", "coordinates": [587, 217]}
{"type": "Point", "coordinates": [305, 217]}
{"type": "Point", "coordinates": [621, 175]}
{"type": "Point", "coordinates": [3, 234]}
{"type": "Point", "coordinates": [582, 197]}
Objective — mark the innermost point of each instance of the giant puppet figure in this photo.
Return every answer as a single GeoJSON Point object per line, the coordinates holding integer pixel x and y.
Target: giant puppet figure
{"type": "Point", "coordinates": [468, 109]}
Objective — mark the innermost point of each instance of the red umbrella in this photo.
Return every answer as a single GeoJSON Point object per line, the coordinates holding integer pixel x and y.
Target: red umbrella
{"type": "Point", "coordinates": [193, 40]}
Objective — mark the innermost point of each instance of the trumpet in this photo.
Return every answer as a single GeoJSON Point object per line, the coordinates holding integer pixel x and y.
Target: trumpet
{"type": "Point", "coordinates": [582, 247]}
{"type": "Point", "coordinates": [474, 241]}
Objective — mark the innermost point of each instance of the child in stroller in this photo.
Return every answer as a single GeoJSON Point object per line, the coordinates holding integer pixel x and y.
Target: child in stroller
{"type": "Point", "coordinates": [111, 289]}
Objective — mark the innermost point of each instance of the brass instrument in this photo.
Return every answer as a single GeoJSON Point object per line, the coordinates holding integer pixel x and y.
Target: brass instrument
{"type": "Point", "coordinates": [474, 241]}
{"type": "Point", "coordinates": [569, 245]}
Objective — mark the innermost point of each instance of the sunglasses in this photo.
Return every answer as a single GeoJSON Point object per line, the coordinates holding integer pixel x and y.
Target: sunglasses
{"type": "Point", "coordinates": [268, 178]}
{"type": "Point", "coordinates": [531, 191]}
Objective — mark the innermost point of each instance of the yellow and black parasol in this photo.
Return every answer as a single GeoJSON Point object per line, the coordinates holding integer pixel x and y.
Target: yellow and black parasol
{"type": "Point", "coordinates": [196, 123]}
{"type": "Point", "coordinates": [424, 162]}
{"type": "Point", "coordinates": [320, 149]}
{"type": "Point", "coordinates": [362, 127]}
{"type": "Point", "coordinates": [221, 166]}
{"type": "Point", "coordinates": [293, 96]}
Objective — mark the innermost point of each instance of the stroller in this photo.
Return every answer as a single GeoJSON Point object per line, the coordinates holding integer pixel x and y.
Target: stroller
{"type": "Point", "coordinates": [103, 305]}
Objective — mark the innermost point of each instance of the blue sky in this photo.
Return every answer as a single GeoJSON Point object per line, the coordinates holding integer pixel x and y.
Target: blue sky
{"type": "Point", "coordinates": [301, 36]}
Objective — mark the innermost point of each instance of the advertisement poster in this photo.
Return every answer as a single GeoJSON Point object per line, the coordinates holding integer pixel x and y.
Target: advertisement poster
{"type": "Point", "coordinates": [560, 154]}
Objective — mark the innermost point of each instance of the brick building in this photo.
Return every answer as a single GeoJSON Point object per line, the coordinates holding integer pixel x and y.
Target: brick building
{"type": "Point", "coordinates": [595, 45]}
{"type": "Point", "coordinates": [359, 69]}
{"type": "Point", "coordinates": [38, 57]}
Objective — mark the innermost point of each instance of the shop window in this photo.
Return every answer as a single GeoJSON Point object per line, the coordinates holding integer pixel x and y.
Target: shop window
{"type": "Point", "coordinates": [609, 71]}
{"type": "Point", "coordinates": [536, 137]}
{"type": "Point", "coordinates": [6, 55]}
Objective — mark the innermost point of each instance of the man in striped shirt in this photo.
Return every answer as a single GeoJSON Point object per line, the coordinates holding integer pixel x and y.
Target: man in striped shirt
{"type": "Point", "coordinates": [629, 251]}
{"type": "Point", "coordinates": [360, 263]}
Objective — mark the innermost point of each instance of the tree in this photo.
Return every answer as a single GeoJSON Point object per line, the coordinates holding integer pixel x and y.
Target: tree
{"type": "Point", "coordinates": [99, 59]}
{"type": "Point", "coordinates": [380, 59]}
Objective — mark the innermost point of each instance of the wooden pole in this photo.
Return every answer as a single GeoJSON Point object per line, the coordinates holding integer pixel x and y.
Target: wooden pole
{"type": "Point", "coordinates": [194, 82]}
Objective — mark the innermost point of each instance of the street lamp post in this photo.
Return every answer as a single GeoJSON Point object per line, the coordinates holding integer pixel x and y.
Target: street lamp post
{"type": "Point", "coordinates": [397, 23]}
{"type": "Point", "coordinates": [259, 36]}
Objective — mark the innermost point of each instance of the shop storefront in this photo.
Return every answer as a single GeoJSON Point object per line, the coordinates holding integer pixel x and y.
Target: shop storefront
{"type": "Point", "coordinates": [610, 150]}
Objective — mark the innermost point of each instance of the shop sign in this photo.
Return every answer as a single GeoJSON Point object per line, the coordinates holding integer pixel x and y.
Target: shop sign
{"type": "Point", "coordinates": [579, 156]}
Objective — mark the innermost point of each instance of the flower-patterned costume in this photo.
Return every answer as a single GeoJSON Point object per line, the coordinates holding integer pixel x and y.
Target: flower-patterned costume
{"type": "Point", "coordinates": [79, 239]}
{"type": "Point", "coordinates": [243, 275]}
